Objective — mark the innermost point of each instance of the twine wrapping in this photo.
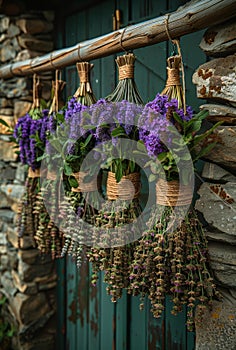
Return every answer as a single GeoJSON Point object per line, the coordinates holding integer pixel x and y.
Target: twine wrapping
{"type": "Point", "coordinates": [57, 88]}
{"type": "Point", "coordinates": [128, 188]}
{"type": "Point", "coordinates": [126, 72]}
{"type": "Point", "coordinates": [84, 69]}
{"type": "Point", "coordinates": [167, 193]}
{"type": "Point", "coordinates": [125, 65]}
{"type": "Point", "coordinates": [33, 173]}
{"type": "Point", "coordinates": [83, 186]}
{"type": "Point", "coordinates": [173, 77]}
{"type": "Point", "coordinates": [51, 175]}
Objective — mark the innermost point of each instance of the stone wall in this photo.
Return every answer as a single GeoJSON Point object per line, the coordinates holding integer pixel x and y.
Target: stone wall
{"type": "Point", "coordinates": [27, 279]}
{"type": "Point", "coordinates": [216, 82]}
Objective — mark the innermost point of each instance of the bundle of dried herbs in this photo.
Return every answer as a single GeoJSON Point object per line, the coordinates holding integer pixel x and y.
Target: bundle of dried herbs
{"type": "Point", "coordinates": [30, 134]}
{"type": "Point", "coordinates": [48, 236]}
{"type": "Point", "coordinates": [126, 88]}
{"type": "Point", "coordinates": [173, 88]}
{"type": "Point", "coordinates": [84, 94]}
{"type": "Point", "coordinates": [116, 126]}
{"type": "Point", "coordinates": [171, 258]}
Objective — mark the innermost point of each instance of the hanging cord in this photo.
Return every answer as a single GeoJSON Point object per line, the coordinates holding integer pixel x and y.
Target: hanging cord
{"type": "Point", "coordinates": [177, 43]}
{"type": "Point", "coordinates": [37, 89]}
{"type": "Point", "coordinates": [57, 88]}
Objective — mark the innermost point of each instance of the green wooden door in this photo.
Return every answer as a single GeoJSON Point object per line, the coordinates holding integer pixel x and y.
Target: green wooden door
{"type": "Point", "coordinates": [87, 320]}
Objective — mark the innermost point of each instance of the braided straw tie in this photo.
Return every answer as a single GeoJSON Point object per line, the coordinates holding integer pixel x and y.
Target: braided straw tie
{"type": "Point", "coordinates": [167, 193]}
{"type": "Point", "coordinates": [128, 188]}
{"type": "Point", "coordinates": [33, 173]}
{"type": "Point", "coordinates": [85, 186]}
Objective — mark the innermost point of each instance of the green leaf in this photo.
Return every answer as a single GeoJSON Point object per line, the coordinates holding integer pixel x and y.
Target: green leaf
{"type": "Point", "coordinates": [141, 147]}
{"type": "Point", "coordinates": [162, 156]}
{"type": "Point", "coordinates": [178, 119]}
{"type": "Point", "coordinates": [89, 127]}
{"type": "Point", "coordinates": [55, 143]}
{"type": "Point", "coordinates": [118, 132]}
{"type": "Point", "coordinates": [73, 182]}
{"type": "Point", "coordinates": [67, 169]}
{"type": "Point", "coordinates": [151, 178]}
{"type": "Point", "coordinates": [3, 122]}
{"type": "Point", "coordinates": [119, 172]}
{"type": "Point", "coordinates": [87, 140]}
{"type": "Point", "coordinates": [195, 127]}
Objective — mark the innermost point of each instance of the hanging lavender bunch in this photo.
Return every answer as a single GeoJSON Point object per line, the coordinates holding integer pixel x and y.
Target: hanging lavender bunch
{"type": "Point", "coordinates": [171, 258]}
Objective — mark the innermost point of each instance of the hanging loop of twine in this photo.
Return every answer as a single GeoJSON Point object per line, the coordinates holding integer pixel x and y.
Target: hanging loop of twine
{"type": "Point", "coordinates": [37, 89]}
{"type": "Point", "coordinates": [168, 193]}
{"type": "Point", "coordinates": [177, 43]}
{"type": "Point", "coordinates": [57, 88]}
{"type": "Point", "coordinates": [127, 189]}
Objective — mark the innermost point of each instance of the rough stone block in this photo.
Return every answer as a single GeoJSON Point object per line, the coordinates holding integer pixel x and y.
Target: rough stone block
{"type": "Point", "coordinates": [26, 242]}
{"type": "Point", "coordinates": [219, 112]}
{"type": "Point", "coordinates": [28, 273]}
{"type": "Point", "coordinates": [223, 263]}
{"type": "Point", "coordinates": [8, 285]}
{"type": "Point", "coordinates": [7, 152]}
{"type": "Point", "coordinates": [13, 191]}
{"type": "Point", "coordinates": [216, 329]}
{"type": "Point", "coordinates": [25, 288]}
{"type": "Point", "coordinates": [216, 79]}
{"type": "Point", "coordinates": [29, 308]}
{"type": "Point", "coordinates": [27, 41]}
{"type": "Point", "coordinates": [21, 108]}
{"type": "Point", "coordinates": [214, 172]}
{"type": "Point", "coordinates": [34, 257]}
{"type": "Point", "coordinates": [219, 40]}
{"type": "Point", "coordinates": [7, 215]}
{"type": "Point", "coordinates": [224, 153]}
{"type": "Point", "coordinates": [217, 203]}
{"type": "Point", "coordinates": [34, 26]}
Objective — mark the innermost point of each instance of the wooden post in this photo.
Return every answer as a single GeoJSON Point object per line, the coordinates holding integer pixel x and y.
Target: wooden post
{"type": "Point", "coordinates": [194, 16]}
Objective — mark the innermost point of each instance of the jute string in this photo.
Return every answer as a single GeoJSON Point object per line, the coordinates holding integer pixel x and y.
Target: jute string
{"type": "Point", "coordinates": [85, 186]}
{"type": "Point", "coordinates": [125, 65]}
{"type": "Point", "coordinates": [128, 188]}
{"type": "Point", "coordinates": [83, 69]}
{"type": "Point", "coordinates": [33, 173]}
{"type": "Point", "coordinates": [51, 175]}
{"type": "Point", "coordinates": [167, 193]}
{"type": "Point", "coordinates": [57, 87]}
{"type": "Point", "coordinates": [177, 43]}
{"type": "Point", "coordinates": [126, 72]}
{"type": "Point", "coordinates": [173, 77]}
{"type": "Point", "coordinates": [37, 89]}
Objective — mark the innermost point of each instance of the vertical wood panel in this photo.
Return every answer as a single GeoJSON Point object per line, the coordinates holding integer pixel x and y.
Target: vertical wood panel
{"type": "Point", "coordinates": [94, 314]}
{"type": "Point", "coordinates": [107, 320]}
{"type": "Point", "coordinates": [71, 313]}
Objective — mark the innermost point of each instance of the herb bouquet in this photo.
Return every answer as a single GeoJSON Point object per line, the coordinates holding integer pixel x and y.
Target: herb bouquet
{"type": "Point", "coordinates": [171, 257]}
{"type": "Point", "coordinates": [48, 236]}
{"type": "Point", "coordinates": [30, 134]}
{"type": "Point", "coordinates": [73, 142]}
{"type": "Point", "coordinates": [116, 134]}
{"type": "Point", "coordinates": [117, 121]}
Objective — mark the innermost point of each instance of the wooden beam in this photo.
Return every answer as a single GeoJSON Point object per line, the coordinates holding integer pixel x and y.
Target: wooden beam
{"type": "Point", "coordinates": [193, 16]}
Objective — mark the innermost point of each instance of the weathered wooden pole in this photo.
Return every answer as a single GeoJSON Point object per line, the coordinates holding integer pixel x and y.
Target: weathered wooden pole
{"type": "Point", "coordinates": [194, 16]}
